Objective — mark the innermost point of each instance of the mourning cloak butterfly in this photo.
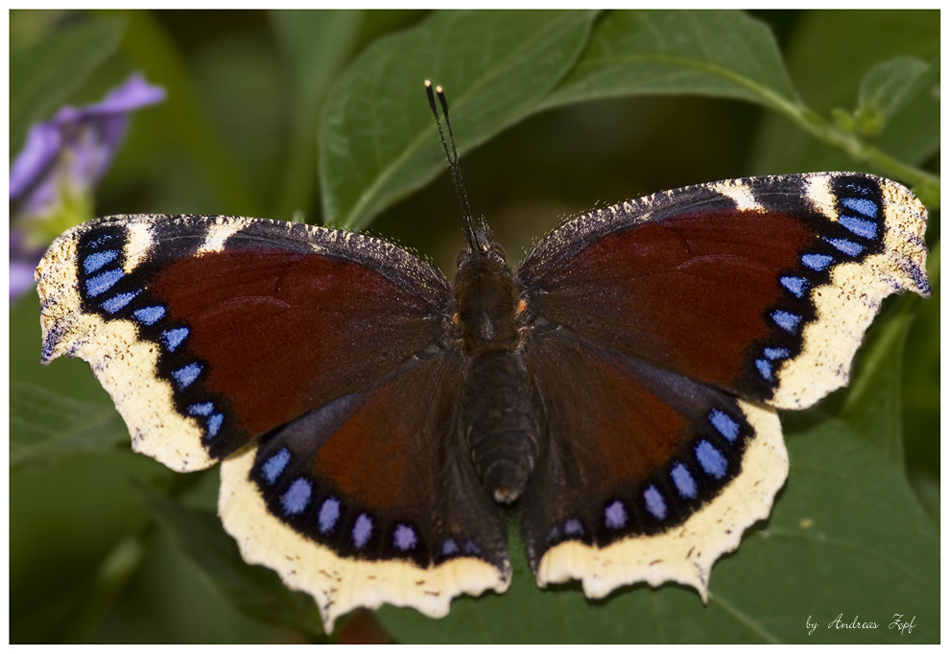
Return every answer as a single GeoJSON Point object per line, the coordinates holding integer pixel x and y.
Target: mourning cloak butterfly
{"type": "Point", "coordinates": [374, 420]}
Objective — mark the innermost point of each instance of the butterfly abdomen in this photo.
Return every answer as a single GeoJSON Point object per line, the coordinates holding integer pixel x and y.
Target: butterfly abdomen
{"type": "Point", "coordinates": [500, 421]}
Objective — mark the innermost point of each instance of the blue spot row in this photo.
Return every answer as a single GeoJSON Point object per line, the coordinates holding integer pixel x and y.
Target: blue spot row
{"type": "Point", "coordinates": [101, 279]}
{"type": "Point", "coordinates": [710, 459]}
{"type": "Point", "coordinates": [296, 498]}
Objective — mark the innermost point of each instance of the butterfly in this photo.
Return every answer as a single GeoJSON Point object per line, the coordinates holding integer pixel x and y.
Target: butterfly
{"type": "Point", "coordinates": [376, 423]}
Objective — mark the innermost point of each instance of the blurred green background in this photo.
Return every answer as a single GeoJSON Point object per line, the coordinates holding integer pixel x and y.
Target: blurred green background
{"type": "Point", "coordinates": [96, 556]}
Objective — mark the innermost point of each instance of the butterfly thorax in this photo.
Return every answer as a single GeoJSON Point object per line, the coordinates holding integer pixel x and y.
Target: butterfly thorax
{"type": "Point", "coordinates": [498, 416]}
{"type": "Point", "coordinates": [486, 307]}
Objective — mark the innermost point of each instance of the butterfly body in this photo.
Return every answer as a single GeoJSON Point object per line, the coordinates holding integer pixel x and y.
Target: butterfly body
{"type": "Point", "coordinates": [499, 416]}
{"type": "Point", "coordinates": [375, 422]}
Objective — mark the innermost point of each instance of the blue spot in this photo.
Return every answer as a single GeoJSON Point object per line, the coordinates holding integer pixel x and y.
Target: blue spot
{"type": "Point", "coordinates": [683, 481]}
{"type": "Point", "coordinates": [817, 262]}
{"type": "Point", "coordinates": [97, 260]}
{"type": "Point", "coordinates": [471, 548]}
{"type": "Point", "coordinates": [795, 285]}
{"type": "Point", "coordinates": [773, 353]}
{"type": "Point", "coordinates": [859, 226]}
{"type": "Point", "coordinates": [785, 320]}
{"type": "Point", "coordinates": [850, 248]}
{"type": "Point", "coordinates": [858, 188]}
{"type": "Point", "coordinates": [861, 205]}
{"type": "Point", "coordinates": [329, 514]}
{"type": "Point", "coordinates": [710, 459]}
{"type": "Point", "coordinates": [149, 315]}
{"type": "Point", "coordinates": [98, 242]}
{"type": "Point", "coordinates": [654, 502]}
{"type": "Point", "coordinates": [297, 497]}
{"type": "Point", "coordinates": [202, 409]}
{"type": "Point", "coordinates": [362, 530]}
{"type": "Point", "coordinates": [214, 424]}
{"type": "Point", "coordinates": [765, 369]}
{"type": "Point", "coordinates": [274, 466]}
{"type": "Point", "coordinates": [118, 302]}
{"type": "Point", "coordinates": [186, 375]}
{"type": "Point", "coordinates": [725, 425]}
{"type": "Point", "coordinates": [405, 538]}
{"type": "Point", "coordinates": [573, 527]}
{"type": "Point", "coordinates": [103, 282]}
{"type": "Point", "coordinates": [449, 547]}
{"type": "Point", "coordinates": [615, 515]}
{"type": "Point", "coordinates": [174, 337]}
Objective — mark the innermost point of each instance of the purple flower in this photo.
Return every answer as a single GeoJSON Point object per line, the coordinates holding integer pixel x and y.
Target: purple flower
{"type": "Point", "coordinates": [53, 176]}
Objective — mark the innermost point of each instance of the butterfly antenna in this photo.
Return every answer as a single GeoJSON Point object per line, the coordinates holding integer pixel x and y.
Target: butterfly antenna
{"type": "Point", "coordinates": [453, 158]}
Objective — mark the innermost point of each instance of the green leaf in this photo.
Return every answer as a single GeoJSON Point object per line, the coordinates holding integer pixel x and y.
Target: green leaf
{"type": "Point", "coordinates": [718, 53]}
{"type": "Point", "coordinates": [912, 130]}
{"type": "Point", "coordinates": [827, 55]}
{"type": "Point", "coordinates": [317, 43]}
{"type": "Point", "coordinates": [873, 407]}
{"type": "Point", "coordinates": [255, 591]}
{"type": "Point", "coordinates": [157, 52]}
{"type": "Point", "coordinates": [45, 426]}
{"type": "Point", "coordinates": [883, 88]}
{"type": "Point", "coordinates": [43, 75]}
{"type": "Point", "coordinates": [378, 140]}
{"type": "Point", "coordinates": [846, 536]}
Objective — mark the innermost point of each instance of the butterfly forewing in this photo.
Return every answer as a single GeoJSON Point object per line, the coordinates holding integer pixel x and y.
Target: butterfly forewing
{"type": "Point", "coordinates": [208, 331]}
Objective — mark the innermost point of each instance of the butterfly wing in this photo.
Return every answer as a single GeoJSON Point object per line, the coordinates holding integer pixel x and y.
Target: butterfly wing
{"type": "Point", "coordinates": [687, 310]}
{"type": "Point", "coordinates": [209, 332]}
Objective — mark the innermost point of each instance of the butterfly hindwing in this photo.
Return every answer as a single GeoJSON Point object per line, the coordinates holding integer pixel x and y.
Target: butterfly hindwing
{"type": "Point", "coordinates": [207, 331]}
{"type": "Point", "coordinates": [370, 499]}
{"type": "Point", "coordinates": [744, 284]}
{"type": "Point", "coordinates": [647, 475]}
